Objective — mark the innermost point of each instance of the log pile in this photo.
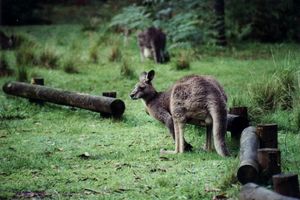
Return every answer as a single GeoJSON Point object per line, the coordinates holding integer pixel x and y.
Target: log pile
{"type": "Point", "coordinates": [260, 162]}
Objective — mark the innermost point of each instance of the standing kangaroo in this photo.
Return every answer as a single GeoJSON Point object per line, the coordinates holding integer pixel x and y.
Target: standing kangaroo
{"type": "Point", "coordinates": [192, 97]}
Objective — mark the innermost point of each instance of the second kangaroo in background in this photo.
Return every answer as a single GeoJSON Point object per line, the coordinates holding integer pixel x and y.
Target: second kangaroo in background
{"type": "Point", "coordinates": [192, 97]}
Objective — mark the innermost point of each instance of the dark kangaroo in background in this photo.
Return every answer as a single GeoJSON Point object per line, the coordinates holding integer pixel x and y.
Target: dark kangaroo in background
{"type": "Point", "coordinates": [152, 42]}
{"type": "Point", "coordinates": [192, 97]}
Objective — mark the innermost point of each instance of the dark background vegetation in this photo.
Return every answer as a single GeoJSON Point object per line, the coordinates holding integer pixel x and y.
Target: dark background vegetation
{"type": "Point", "coordinates": [262, 20]}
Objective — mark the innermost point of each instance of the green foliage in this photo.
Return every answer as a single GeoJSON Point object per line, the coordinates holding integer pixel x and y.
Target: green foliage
{"type": "Point", "coordinates": [131, 18]}
{"type": "Point", "coordinates": [26, 56]}
{"type": "Point", "coordinates": [263, 20]}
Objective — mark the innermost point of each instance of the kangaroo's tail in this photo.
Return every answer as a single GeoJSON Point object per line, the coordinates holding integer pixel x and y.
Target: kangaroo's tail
{"type": "Point", "coordinates": [219, 117]}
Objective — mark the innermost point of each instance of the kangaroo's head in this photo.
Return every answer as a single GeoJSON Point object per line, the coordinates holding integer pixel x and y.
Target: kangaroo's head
{"type": "Point", "coordinates": [144, 89]}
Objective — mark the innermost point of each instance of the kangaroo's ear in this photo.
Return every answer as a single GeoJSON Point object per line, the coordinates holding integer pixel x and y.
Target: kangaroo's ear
{"type": "Point", "coordinates": [150, 75]}
{"type": "Point", "coordinates": [143, 76]}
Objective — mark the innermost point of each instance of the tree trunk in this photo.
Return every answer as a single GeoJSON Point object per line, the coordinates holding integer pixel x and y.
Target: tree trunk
{"type": "Point", "coordinates": [100, 104]}
{"type": "Point", "coordinates": [219, 8]}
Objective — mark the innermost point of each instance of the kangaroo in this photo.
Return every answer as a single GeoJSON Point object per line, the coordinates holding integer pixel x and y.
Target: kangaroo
{"type": "Point", "coordinates": [152, 43]}
{"type": "Point", "coordinates": [192, 97]}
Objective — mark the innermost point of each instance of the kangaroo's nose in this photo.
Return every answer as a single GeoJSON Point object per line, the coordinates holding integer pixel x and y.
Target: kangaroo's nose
{"type": "Point", "coordinates": [131, 96]}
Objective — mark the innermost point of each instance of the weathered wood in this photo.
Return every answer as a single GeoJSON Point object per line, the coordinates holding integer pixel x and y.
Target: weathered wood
{"type": "Point", "coordinates": [249, 168]}
{"type": "Point", "coordinates": [287, 184]}
{"type": "Point", "coordinates": [37, 81]}
{"type": "Point", "coordinates": [251, 191]}
{"type": "Point", "coordinates": [270, 163]}
{"type": "Point", "coordinates": [238, 123]}
{"type": "Point", "coordinates": [113, 106]}
{"type": "Point", "coordinates": [108, 94]}
{"type": "Point", "coordinates": [268, 135]}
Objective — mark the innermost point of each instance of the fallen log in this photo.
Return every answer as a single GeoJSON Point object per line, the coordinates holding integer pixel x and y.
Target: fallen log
{"type": "Point", "coordinates": [287, 184]}
{"type": "Point", "coordinates": [270, 163]}
{"type": "Point", "coordinates": [249, 168]}
{"type": "Point", "coordinates": [251, 191]}
{"type": "Point", "coordinates": [94, 103]}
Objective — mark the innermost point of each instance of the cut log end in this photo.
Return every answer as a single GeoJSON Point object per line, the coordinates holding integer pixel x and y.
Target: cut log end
{"type": "Point", "coordinates": [117, 108]}
{"type": "Point", "coordinates": [247, 173]}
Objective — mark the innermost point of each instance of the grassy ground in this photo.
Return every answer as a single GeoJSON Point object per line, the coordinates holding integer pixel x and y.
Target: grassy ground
{"type": "Point", "coordinates": [57, 152]}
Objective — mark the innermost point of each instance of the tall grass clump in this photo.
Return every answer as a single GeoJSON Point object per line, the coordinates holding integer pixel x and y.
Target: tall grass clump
{"type": "Point", "coordinates": [115, 54]}
{"type": "Point", "coordinates": [94, 54]}
{"type": "Point", "coordinates": [5, 69]}
{"type": "Point", "coordinates": [26, 56]}
{"type": "Point", "coordinates": [70, 66]}
{"type": "Point", "coordinates": [22, 74]}
{"type": "Point", "coordinates": [276, 92]}
{"type": "Point", "coordinates": [48, 59]}
{"type": "Point", "coordinates": [183, 61]}
{"type": "Point", "coordinates": [126, 71]}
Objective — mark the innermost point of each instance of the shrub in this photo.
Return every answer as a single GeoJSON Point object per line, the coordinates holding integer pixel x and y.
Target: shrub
{"type": "Point", "coordinates": [183, 62]}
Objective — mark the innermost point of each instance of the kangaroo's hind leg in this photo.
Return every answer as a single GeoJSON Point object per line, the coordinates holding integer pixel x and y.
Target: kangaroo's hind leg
{"type": "Point", "coordinates": [179, 139]}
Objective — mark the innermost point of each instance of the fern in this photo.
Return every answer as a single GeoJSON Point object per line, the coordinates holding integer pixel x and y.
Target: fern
{"type": "Point", "coordinates": [131, 18]}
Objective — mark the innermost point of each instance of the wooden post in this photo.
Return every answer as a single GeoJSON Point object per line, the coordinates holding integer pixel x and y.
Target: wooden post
{"type": "Point", "coordinates": [108, 94]}
{"type": "Point", "coordinates": [287, 184]}
{"type": "Point", "coordinates": [251, 191]}
{"type": "Point", "coordinates": [238, 123]}
{"type": "Point", "coordinates": [110, 105]}
{"type": "Point", "coordinates": [37, 81]}
{"type": "Point", "coordinates": [249, 168]}
{"type": "Point", "coordinates": [270, 163]}
{"type": "Point", "coordinates": [268, 135]}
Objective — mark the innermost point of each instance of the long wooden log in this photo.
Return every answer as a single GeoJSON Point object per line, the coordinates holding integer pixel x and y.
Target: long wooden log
{"type": "Point", "coordinates": [249, 168]}
{"type": "Point", "coordinates": [287, 184]}
{"type": "Point", "coordinates": [100, 104]}
{"type": "Point", "coordinates": [251, 191]}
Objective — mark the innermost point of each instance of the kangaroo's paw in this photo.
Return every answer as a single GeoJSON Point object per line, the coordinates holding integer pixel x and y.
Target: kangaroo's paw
{"type": "Point", "coordinates": [163, 151]}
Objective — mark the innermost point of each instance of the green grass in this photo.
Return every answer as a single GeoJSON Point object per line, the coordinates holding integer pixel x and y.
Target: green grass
{"type": "Point", "coordinates": [40, 146]}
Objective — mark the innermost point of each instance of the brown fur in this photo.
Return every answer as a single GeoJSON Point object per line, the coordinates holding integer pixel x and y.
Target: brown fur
{"type": "Point", "coordinates": [192, 97]}
{"type": "Point", "coordinates": [152, 43]}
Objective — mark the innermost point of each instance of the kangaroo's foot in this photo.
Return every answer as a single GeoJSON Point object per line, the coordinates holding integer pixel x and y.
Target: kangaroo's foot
{"type": "Point", "coordinates": [163, 151]}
